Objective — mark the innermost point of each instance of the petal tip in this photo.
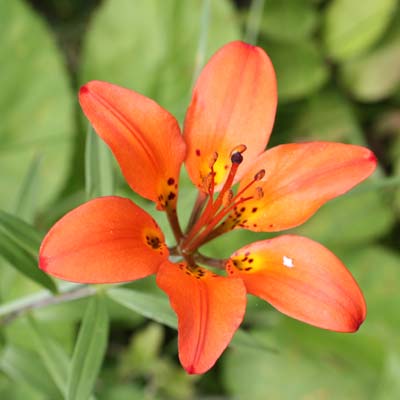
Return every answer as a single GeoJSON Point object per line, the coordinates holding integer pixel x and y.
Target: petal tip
{"type": "Point", "coordinates": [43, 263]}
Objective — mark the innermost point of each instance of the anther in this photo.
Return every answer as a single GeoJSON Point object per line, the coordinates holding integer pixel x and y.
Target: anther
{"type": "Point", "coordinates": [236, 158]}
{"type": "Point", "coordinates": [228, 196]}
{"type": "Point", "coordinates": [207, 182]}
{"type": "Point", "coordinates": [236, 154]}
{"type": "Point", "coordinates": [213, 159]}
{"type": "Point", "coordinates": [259, 175]}
{"type": "Point", "coordinates": [259, 193]}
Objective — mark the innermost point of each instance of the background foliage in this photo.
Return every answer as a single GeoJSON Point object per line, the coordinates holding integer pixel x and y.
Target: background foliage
{"type": "Point", "coordinates": [338, 68]}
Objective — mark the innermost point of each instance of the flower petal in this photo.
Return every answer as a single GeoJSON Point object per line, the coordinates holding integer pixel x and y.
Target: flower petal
{"type": "Point", "coordinates": [302, 279]}
{"type": "Point", "coordinates": [300, 178]}
{"type": "Point", "coordinates": [209, 308]}
{"type": "Point", "coordinates": [144, 138]}
{"type": "Point", "coordinates": [106, 240]}
{"type": "Point", "coordinates": [234, 102]}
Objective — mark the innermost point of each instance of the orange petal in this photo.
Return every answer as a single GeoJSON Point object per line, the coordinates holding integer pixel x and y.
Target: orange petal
{"type": "Point", "coordinates": [209, 308]}
{"type": "Point", "coordinates": [106, 240]}
{"type": "Point", "coordinates": [144, 138]}
{"type": "Point", "coordinates": [300, 178]}
{"type": "Point", "coordinates": [234, 102]}
{"type": "Point", "coordinates": [302, 279]}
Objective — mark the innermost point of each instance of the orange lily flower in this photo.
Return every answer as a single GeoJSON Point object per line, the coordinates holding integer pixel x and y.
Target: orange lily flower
{"type": "Point", "coordinates": [226, 130]}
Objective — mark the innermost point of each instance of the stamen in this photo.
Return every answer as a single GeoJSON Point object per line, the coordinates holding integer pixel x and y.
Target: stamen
{"type": "Point", "coordinates": [228, 196]}
{"type": "Point", "coordinates": [259, 175]}
{"type": "Point", "coordinates": [259, 193]}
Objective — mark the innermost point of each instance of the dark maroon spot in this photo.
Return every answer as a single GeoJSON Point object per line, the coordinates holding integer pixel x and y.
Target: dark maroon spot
{"type": "Point", "coordinates": [170, 181]}
{"type": "Point", "coordinates": [198, 153]}
{"type": "Point", "coordinates": [243, 209]}
{"type": "Point", "coordinates": [254, 209]}
{"type": "Point", "coordinates": [226, 166]}
{"type": "Point", "coordinates": [251, 260]}
{"type": "Point", "coordinates": [171, 195]}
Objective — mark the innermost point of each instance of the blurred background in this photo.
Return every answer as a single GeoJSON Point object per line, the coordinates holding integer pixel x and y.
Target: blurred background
{"type": "Point", "coordinates": [338, 69]}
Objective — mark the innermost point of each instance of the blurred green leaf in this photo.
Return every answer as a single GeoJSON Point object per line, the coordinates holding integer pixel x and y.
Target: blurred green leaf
{"type": "Point", "coordinates": [140, 45]}
{"type": "Point", "coordinates": [23, 365]}
{"type": "Point", "coordinates": [99, 177]}
{"type": "Point", "coordinates": [375, 75]}
{"type": "Point", "coordinates": [376, 269]}
{"type": "Point", "coordinates": [149, 305]}
{"type": "Point", "coordinates": [142, 353]}
{"type": "Point", "coordinates": [24, 234]}
{"type": "Point", "coordinates": [19, 244]}
{"type": "Point", "coordinates": [352, 27]}
{"type": "Point", "coordinates": [36, 104]}
{"type": "Point", "coordinates": [389, 387]}
{"type": "Point", "coordinates": [89, 350]}
{"type": "Point", "coordinates": [289, 20]}
{"type": "Point", "coordinates": [355, 218]}
{"type": "Point", "coordinates": [327, 115]}
{"type": "Point", "coordinates": [300, 68]}
{"type": "Point", "coordinates": [29, 192]}
{"type": "Point", "coordinates": [51, 353]}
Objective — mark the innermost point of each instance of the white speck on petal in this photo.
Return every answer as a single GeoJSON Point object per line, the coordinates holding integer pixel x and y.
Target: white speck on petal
{"type": "Point", "coordinates": [288, 262]}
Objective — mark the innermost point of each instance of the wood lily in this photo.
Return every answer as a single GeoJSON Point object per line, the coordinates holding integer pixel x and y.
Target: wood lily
{"type": "Point", "coordinates": [240, 185]}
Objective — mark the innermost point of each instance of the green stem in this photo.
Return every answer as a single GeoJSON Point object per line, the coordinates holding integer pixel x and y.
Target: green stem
{"type": "Point", "coordinates": [14, 309]}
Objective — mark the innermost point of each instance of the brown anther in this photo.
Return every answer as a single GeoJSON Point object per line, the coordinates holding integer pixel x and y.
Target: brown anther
{"type": "Point", "coordinates": [259, 175]}
{"type": "Point", "coordinates": [259, 193]}
{"type": "Point", "coordinates": [228, 196]}
{"type": "Point", "coordinates": [213, 159]}
{"type": "Point", "coordinates": [207, 182]}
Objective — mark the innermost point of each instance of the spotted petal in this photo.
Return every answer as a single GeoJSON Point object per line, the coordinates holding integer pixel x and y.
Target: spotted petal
{"type": "Point", "coordinates": [144, 138]}
{"type": "Point", "coordinates": [300, 178]}
{"type": "Point", "coordinates": [209, 308]}
{"type": "Point", "coordinates": [234, 102]}
{"type": "Point", "coordinates": [302, 279]}
{"type": "Point", "coordinates": [105, 240]}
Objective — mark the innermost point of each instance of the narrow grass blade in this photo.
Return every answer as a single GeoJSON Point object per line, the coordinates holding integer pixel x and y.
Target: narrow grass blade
{"type": "Point", "coordinates": [89, 350]}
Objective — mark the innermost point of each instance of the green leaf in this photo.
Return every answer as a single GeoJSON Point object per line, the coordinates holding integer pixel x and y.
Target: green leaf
{"type": "Point", "coordinates": [23, 365]}
{"type": "Point", "coordinates": [375, 75]}
{"type": "Point", "coordinates": [149, 305]}
{"type": "Point", "coordinates": [389, 387]}
{"type": "Point", "coordinates": [354, 218]}
{"type": "Point", "coordinates": [300, 69]}
{"type": "Point", "coordinates": [29, 192]}
{"type": "Point", "coordinates": [140, 45]}
{"type": "Point", "coordinates": [99, 178]}
{"type": "Point", "coordinates": [376, 269]}
{"type": "Point", "coordinates": [289, 20]}
{"type": "Point", "coordinates": [36, 104]}
{"type": "Point", "coordinates": [352, 28]}
{"type": "Point", "coordinates": [327, 115]}
{"type": "Point", "coordinates": [89, 350]}
{"type": "Point", "coordinates": [19, 244]}
{"type": "Point", "coordinates": [51, 353]}
{"type": "Point", "coordinates": [24, 234]}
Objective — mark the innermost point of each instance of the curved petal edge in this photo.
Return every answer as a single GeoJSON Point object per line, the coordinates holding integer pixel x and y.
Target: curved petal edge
{"type": "Point", "coordinates": [106, 240]}
{"type": "Point", "coordinates": [302, 279]}
{"type": "Point", "coordinates": [209, 307]}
